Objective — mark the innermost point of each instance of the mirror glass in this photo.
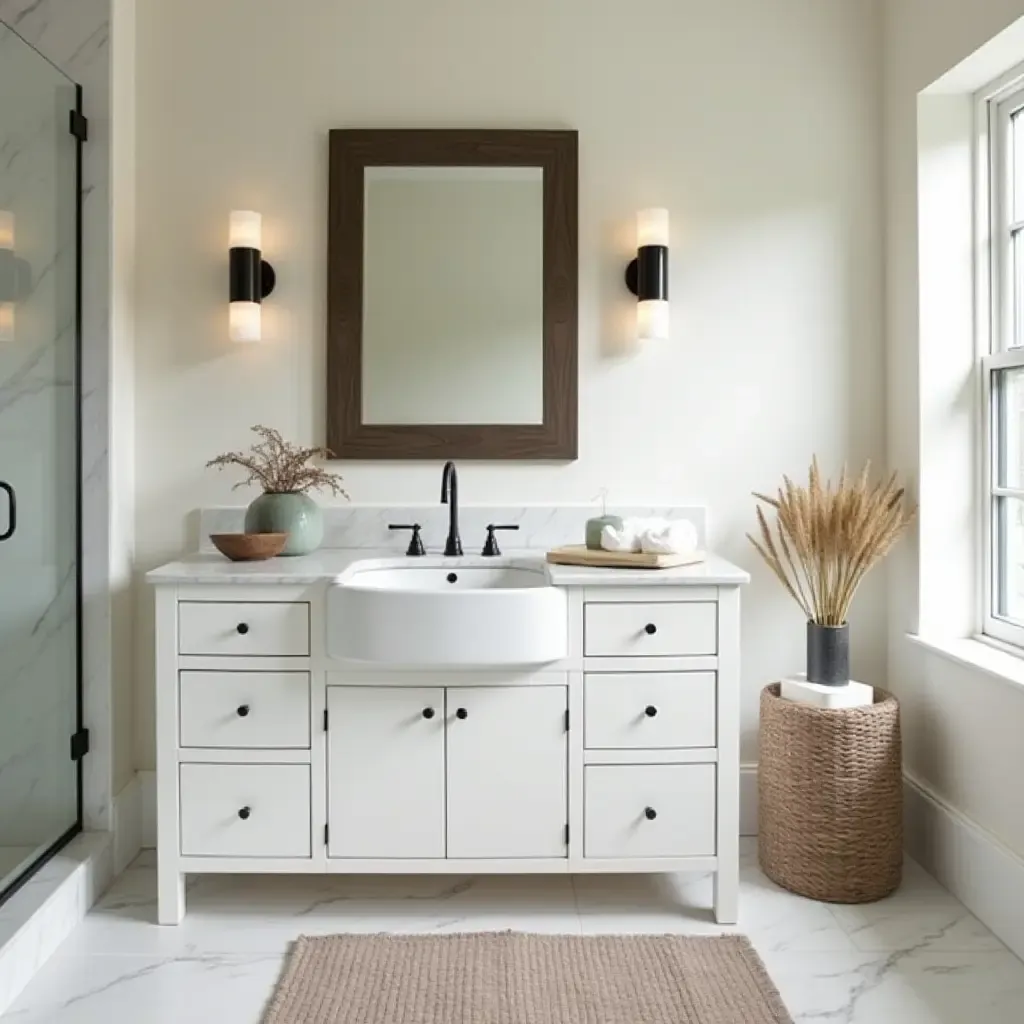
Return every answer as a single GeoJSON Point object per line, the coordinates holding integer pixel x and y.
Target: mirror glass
{"type": "Point", "coordinates": [453, 300]}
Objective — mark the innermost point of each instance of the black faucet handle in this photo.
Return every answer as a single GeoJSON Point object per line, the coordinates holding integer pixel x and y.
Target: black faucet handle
{"type": "Point", "coordinates": [491, 544]}
{"type": "Point", "coordinates": [415, 548]}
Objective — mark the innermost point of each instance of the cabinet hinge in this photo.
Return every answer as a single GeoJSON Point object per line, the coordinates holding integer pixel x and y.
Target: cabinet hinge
{"type": "Point", "coordinates": [567, 833]}
{"type": "Point", "coordinates": [326, 716]}
{"type": "Point", "coordinates": [79, 744]}
{"type": "Point", "coordinates": [79, 126]}
{"type": "Point", "coordinates": [566, 719]}
{"type": "Point", "coordinates": [327, 834]}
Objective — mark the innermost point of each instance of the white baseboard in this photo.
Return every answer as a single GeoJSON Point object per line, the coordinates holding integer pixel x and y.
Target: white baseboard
{"type": "Point", "coordinates": [127, 820]}
{"type": "Point", "coordinates": [986, 876]}
{"type": "Point", "coordinates": [40, 916]}
{"type": "Point", "coordinates": [147, 798]}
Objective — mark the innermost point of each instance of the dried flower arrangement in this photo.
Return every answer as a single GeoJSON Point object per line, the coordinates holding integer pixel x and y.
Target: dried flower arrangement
{"type": "Point", "coordinates": [280, 467]}
{"type": "Point", "coordinates": [828, 538]}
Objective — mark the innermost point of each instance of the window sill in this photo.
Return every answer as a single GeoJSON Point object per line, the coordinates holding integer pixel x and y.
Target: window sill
{"type": "Point", "coordinates": [977, 654]}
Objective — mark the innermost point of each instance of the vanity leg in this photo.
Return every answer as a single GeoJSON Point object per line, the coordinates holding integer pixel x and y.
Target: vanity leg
{"type": "Point", "coordinates": [727, 893]}
{"type": "Point", "coordinates": [170, 897]}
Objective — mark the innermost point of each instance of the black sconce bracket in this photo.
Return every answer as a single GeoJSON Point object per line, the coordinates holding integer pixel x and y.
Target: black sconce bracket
{"type": "Point", "coordinates": [252, 278]}
{"type": "Point", "coordinates": [647, 275]}
{"type": "Point", "coordinates": [15, 277]}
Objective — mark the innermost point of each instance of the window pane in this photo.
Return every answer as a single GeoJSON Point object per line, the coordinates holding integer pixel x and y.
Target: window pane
{"type": "Point", "coordinates": [1008, 427]}
{"type": "Point", "coordinates": [1016, 164]}
{"type": "Point", "coordinates": [1008, 552]}
{"type": "Point", "coordinates": [1015, 335]}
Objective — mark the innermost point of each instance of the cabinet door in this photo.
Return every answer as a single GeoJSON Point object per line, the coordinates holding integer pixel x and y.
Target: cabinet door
{"type": "Point", "coordinates": [507, 768]}
{"type": "Point", "coordinates": [385, 764]}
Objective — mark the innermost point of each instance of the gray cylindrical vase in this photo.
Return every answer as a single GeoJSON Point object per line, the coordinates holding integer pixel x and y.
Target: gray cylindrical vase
{"type": "Point", "coordinates": [296, 514]}
{"type": "Point", "coordinates": [828, 654]}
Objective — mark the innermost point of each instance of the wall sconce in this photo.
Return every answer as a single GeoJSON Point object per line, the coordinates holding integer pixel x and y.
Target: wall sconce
{"type": "Point", "coordinates": [15, 276]}
{"type": "Point", "coordinates": [647, 275]}
{"type": "Point", "coordinates": [252, 279]}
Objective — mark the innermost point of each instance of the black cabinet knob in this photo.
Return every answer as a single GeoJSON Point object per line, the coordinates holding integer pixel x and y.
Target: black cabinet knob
{"type": "Point", "coordinates": [244, 813]}
{"type": "Point", "coordinates": [650, 711]}
{"type": "Point", "coordinates": [428, 712]}
{"type": "Point", "coordinates": [650, 813]}
{"type": "Point", "coordinates": [243, 710]}
{"type": "Point", "coordinates": [462, 713]}
{"type": "Point", "coordinates": [243, 628]}
{"type": "Point", "coordinates": [650, 629]}
{"type": "Point", "coordinates": [452, 578]}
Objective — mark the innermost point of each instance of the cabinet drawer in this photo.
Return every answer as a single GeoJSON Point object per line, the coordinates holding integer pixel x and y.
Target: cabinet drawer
{"type": "Point", "coordinates": [648, 710]}
{"type": "Point", "coordinates": [665, 629]}
{"type": "Point", "coordinates": [649, 810]}
{"type": "Point", "coordinates": [245, 810]}
{"type": "Point", "coordinates": [255, 710]}
{"type": "Point", "coordinates": [244, 628]}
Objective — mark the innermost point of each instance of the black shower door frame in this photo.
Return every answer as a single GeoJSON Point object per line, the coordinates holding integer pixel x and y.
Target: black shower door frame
{"type": "Point", "coordinates": [74, 117]}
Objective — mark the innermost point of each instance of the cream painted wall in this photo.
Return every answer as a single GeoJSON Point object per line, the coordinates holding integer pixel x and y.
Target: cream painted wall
{"type": "Point", "coordinates": [756, 124]}
{"type": "Point", "coordinates": [962, 728]}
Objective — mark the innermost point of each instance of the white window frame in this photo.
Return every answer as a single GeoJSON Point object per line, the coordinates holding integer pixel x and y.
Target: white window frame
{"type": "Point", "coordinates": [996, 106]}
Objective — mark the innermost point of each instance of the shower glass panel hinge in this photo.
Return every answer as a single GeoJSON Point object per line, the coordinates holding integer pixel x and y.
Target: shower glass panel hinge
{"type": "Point", "coordinates": [79, 744]}
{"type": "Point", "coordinates": [79, 126]}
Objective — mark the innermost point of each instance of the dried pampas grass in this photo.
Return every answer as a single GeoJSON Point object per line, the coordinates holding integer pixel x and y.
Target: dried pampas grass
{"type": "Point", "coordinates": [826, 539]}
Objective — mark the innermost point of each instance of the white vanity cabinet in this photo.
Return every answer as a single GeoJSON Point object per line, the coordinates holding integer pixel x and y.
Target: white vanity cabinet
{"type": "Point", "coordinates": [274, 757]}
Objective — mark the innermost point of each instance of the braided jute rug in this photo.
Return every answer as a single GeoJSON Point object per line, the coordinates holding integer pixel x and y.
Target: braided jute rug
{"type": "Point", "coordinates": [511, 978]}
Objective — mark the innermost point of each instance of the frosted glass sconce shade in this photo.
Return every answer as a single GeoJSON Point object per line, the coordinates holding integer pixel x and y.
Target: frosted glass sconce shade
{"type": "Point", "coordinates": [647, 275]}
{"type": "Point", "coordinates": [251, 278]}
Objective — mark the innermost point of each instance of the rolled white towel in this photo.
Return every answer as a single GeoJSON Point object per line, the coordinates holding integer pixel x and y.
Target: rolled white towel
{"type": "Point", "coordinates": [676, 537]}
{"type": "Point", "coordinates": [620, 538]}
{"type": "Point", "coordinates": [628, 536]}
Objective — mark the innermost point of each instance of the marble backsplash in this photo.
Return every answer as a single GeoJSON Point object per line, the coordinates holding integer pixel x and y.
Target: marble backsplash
{"type": "Point", "coordinates": [366, 526]}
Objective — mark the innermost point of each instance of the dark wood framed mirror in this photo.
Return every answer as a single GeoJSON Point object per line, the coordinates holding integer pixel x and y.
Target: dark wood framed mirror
{"type": "Point", "coordinates": [452, 294]}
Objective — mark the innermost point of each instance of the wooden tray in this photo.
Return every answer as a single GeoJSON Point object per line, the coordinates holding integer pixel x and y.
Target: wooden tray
{"type": "Point", "coordinates": [580, 554]}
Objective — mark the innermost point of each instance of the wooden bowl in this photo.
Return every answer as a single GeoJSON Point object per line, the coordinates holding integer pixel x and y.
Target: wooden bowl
{"type": "Point", "coordinates": [249, 547]}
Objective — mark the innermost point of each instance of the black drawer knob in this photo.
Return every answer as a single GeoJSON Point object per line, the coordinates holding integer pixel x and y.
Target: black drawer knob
{"type": "Point", "coordinates": [428, 712]}
{"type": "Point", "coordinates": [650, 711]}
{"type": "Point", "coordinates": [452, 577]}
{"type": "Point", "coordinates": [243, 711]}
{"type": "Point", "coordinates": [650, 629]}
{"type": "Point", "coordinates": [462, 713]}
{"type": "Point", "coordinates": [243, 628]}
{"type": "Point", "coordinates": [244, 813]}
{"type": "Point", "coordinates": [650, 813]}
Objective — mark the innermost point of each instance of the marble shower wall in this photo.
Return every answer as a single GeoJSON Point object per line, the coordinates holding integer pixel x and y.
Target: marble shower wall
{"type": "Point", "coordinates": [75, 35]}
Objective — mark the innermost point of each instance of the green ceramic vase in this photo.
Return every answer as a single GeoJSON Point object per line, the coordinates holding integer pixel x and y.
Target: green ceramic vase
{"type": "Point", "coordinates": [595, 527]}
{"type": "Point", "coordinates": [298, 515]}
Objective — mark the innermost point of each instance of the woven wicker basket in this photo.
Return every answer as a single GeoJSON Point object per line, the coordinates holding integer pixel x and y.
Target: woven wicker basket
{"type": "Point", "coordinates": [831, 798]}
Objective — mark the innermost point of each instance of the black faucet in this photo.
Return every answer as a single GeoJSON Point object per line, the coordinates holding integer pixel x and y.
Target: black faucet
{"type": "Point", "coordinates": [450, 497]}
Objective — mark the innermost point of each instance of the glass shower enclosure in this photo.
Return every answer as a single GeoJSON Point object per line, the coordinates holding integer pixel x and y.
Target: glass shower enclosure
{"type": "Point", "coordinates": [41, 740]}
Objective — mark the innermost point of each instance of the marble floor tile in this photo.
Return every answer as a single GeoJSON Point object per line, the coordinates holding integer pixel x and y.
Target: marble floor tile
{"type": "Point", "coordinates": [902, 988]}
{"type": "Point", "coordinates": [205, 989]}
{"type": "Point", "coordinates": [681, 904]}
{"type": "Point", "coordinates": [263, 913]}
{"type": "Point", "coordinates": [917, 958]}
{"type": "Point", "coordinates": [919, 915]}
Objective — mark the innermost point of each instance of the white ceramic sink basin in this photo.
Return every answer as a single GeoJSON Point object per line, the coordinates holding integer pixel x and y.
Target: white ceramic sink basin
{"type": "Point", "coordinates": [447, 615]}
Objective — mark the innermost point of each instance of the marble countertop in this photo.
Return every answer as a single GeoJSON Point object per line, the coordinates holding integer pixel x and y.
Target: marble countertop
{"type": "Point", "coordinates": [335, 564]}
